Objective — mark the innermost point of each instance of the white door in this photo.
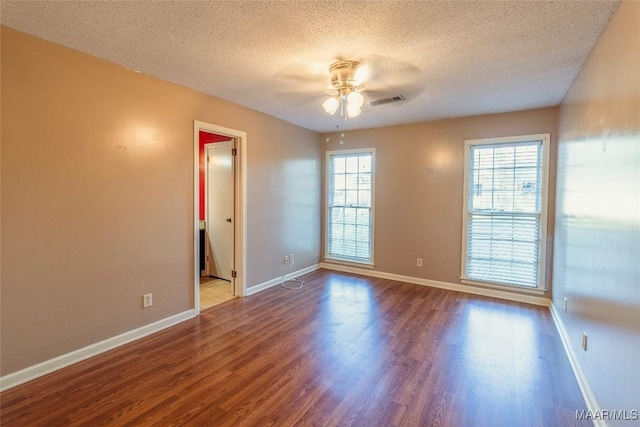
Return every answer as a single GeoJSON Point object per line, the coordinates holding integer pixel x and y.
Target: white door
{"type": "Point", "coordinates": [219, 209]}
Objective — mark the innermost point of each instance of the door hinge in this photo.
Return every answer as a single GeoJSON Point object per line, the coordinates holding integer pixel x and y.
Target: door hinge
{"type": "Point", "coordinates": [234, 151]}
{"type": "Point", "coordinates": [234, 274]}
{"type": "Point", "coordinates": [207, 159]}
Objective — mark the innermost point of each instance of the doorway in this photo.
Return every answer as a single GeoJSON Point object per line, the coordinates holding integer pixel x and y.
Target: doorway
{"type": "Point", "coordinates": [216, 277]}
{"type": "Point", "coordinates": [219, 212]}
{"type": "Point", "coordinates": [219, 206]}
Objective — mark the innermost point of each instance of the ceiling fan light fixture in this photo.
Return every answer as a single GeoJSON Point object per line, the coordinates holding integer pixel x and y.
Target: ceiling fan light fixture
{"type": "Point", "coordinates": [355, 99]}
{"type": "Point", "coordinates": [331, 105]}
{"type": "Point", "coordinates": [346, 79]}
{"type": "Point", "coordinates": [353, 111]}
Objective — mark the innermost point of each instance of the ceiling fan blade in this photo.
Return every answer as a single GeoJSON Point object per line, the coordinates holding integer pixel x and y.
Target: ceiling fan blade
{"type": "Point", "coordinates": [300, 99]}
{"type": "Point", "coordinates": [391, 77]}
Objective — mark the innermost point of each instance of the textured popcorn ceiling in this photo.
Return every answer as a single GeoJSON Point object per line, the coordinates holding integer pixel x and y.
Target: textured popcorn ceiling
{"type": "Point", "coordinates": [449, 59]}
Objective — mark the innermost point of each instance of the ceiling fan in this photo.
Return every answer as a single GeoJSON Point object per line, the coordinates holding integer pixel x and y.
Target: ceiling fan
{"type": "Point", "coordinates": [382, 80]}
{"type": "Point", "coordinates": [347, 81]}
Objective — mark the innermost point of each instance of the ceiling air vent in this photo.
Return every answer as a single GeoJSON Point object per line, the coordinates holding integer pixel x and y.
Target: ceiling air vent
{"type": "Point", "coordinates": [396, 98]}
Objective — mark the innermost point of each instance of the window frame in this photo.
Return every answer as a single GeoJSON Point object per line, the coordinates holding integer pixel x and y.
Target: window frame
{"type": "Point", "coordinates": [541, 285]}
{"type": "Point", "coordinates": [349, 260]}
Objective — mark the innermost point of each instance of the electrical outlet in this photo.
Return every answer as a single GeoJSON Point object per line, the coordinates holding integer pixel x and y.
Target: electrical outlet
{"type": "Point", "coordinates": [286, 259]}
{"type": "Point", "coordinates": [565, 305]}
{"type": "Point", "coordinates": [419, 262]}
{"type": "Point", "coordinates": [584, 341]}
{"type": "Point", "coordinates": [291, 258]}
{"type": "Point", "coordinates": [147, 300]}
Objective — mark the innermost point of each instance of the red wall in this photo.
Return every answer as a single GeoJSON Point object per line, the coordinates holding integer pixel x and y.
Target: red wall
{"type": "Point", "coordinates": [206, 138]}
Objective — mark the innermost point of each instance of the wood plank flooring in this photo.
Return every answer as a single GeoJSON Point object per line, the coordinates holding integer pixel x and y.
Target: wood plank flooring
{"type": "Point", "coordinates": [344, 350]}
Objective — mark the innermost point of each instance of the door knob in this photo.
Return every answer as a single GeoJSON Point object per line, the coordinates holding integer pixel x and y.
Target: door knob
{"type": "Point", "coordinates": [228, 219]}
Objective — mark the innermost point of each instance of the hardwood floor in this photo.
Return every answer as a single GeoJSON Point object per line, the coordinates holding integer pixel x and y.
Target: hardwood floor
{"type": "Point", "coordinates": [343, 350]}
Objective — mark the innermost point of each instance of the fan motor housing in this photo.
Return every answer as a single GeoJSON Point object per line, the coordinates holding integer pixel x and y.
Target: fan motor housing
{"type": "Point", "coordinates": [343, 74]}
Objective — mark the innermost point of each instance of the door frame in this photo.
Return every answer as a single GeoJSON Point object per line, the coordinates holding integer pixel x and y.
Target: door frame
{"type": "Point", "coordinates": [240, 208]}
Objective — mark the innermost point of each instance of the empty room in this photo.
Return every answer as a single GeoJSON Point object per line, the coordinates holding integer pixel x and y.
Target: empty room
{"type": "Point", "coordinates": [320, 213]}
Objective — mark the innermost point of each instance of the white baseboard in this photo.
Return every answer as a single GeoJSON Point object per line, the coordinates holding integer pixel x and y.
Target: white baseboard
{"type": "Point", "coordinates": [494, 293]}
{"type": "Point", "coordinates": [273, 282]}
{"type": "Point", "coordinates": [587, 394]}
{"type": "Point", "coordinates": [48, 366]}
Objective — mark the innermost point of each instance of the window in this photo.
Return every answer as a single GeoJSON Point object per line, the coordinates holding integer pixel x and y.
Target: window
{"type": "Point", "coordinates": [505, 211]}
{"type": "Point", "coordinates": [350, 205]}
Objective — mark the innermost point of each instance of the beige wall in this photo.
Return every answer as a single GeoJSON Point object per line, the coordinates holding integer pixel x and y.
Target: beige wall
{"type": "Point", "coordinates": [97, 197]}
{"type": "Point", "coordinates": [597, 254]}
{"type": "Point", "coordinates": [419, 186]}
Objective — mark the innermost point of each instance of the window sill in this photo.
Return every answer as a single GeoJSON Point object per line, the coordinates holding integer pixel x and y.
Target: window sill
{"type": "Point", "coordinates": [349, 262]}
{"type": "Point", "coordinates": [508, 288]}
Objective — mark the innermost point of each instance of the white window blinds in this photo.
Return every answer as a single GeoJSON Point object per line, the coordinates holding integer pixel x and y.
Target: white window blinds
{"type": "Point", "coordinates": [504, 213]}
{"type": "Point", "coordinates": [349, 202]}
